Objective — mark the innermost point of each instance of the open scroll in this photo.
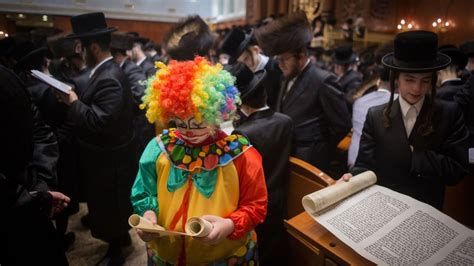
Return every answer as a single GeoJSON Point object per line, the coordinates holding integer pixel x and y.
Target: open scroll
{"type": "Point", "coordinates": [387, 227]}
{"type": "Point", "coordinates": [195, 226]}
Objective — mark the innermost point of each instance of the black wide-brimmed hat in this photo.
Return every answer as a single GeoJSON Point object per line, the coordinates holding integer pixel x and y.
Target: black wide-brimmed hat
{"type": "Point", "coordinates": [247, 82]}
{"type": "Point", "coordinates": [61, 47]}
{"type": "Point", "coordinates": [26, 51]}
{"type": "Point", "coordinates": [344, 55]}
{"type": "Point", "coordinates": [235, 43]}
{"type": "Point", "coordinates": [458, 58]}
{"type": "Point", "coordinates": [89, 25]}
{"type": "Point", "coordinates": [416, 52]}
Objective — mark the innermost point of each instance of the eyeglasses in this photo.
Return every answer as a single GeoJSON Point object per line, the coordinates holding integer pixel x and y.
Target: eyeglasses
{"type": "Point", "coordinates": [285, 58]}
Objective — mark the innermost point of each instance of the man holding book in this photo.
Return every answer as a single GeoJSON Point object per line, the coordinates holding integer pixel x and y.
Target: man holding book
{"type": "Point", "coordinates": [416, 145]}
{"type": "Point", "coordinates": [103, 117]}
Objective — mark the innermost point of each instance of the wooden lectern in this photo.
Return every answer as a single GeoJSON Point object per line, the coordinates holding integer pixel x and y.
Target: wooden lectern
{"type": "Point", "coordinates": [310, 243]}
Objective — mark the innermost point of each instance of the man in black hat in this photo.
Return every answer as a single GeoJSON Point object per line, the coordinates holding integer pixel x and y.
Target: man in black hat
{"type": "Point", "coordinates": [188, 39]}
{"type": "Point", "coordinates": [138, 56]}
{"type": "Point", "coordinates": [136, 79]}
{"type": "Point", "coordinates": [103, 117]}
{"type": "Point", "coordinates": [310, 96]}
{"type": "Point", "coordinates": [449, 78]}
{"type": "Point", "coordinates": [270, 133]}
{"type": "Point", "coordinates": [26, 183]}
{"type": "Point", "coordinates": [468, 49]}
{"type": "Point", "coordinates": [345, 65]}
{"type": "Point", "coordinates": [415, 144]}
{"type": "Point", "coordinates": [67, 62]}
{"type": "Point", "coordinates": [243, 48]}
{"type": "Point", "coordinates": [152, 51]}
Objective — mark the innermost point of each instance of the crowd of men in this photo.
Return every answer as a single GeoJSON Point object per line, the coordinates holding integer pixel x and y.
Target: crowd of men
{"type": "Point", "coordinates": [61, 149]}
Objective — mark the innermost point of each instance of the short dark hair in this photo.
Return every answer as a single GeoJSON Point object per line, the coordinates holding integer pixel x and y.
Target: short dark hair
{"type": "Point", "coordinates": [103, 41]}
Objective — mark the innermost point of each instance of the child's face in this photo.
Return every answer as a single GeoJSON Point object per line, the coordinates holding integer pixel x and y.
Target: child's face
{"type": "Point", "coordinates": [192, 131]}
{"type": "Point", "coordinates": [413, 86]}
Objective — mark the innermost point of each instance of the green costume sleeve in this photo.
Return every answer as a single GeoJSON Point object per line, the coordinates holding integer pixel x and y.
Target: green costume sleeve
{"type": "Point", "coordinates": [144, 190]}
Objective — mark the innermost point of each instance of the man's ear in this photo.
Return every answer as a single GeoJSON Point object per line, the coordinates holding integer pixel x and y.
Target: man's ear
{"type": "Point", "coordinates": [94, 48]}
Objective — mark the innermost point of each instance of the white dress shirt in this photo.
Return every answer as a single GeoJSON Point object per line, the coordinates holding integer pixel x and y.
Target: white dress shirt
{"type": "Point", "coordinates": [410, 113]}
{"type": "Point", "coordinates": [98, 65]}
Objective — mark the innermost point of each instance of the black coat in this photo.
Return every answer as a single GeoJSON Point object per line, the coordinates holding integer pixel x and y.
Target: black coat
{"type": "Point", "coordinates": [350, 81]}
{"type": "Point", "coordinates": [319, 113]}
{"type": "Point", "coordinates": [144, 131]}
{"type": "Point", "coordinates": [438, 159]}
{"type": "Point", "coordinates": [103, 119]}
{"type": "Point", "coordinates": [448, 89]}
{"type": "Point", "coordinates": [148, 68]}
{"type": "Point", "coordinates": [465, 99]}
{"type": "Point", "coordinates": [28, 156]}
{"type": "Point", "coordinates": [272, 82]}
{"type": "Point", "coordinates": [270, 133]}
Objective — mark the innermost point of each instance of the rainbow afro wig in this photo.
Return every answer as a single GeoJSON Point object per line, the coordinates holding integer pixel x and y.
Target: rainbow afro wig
{"type": "Point", "coordinates": [191, 88]}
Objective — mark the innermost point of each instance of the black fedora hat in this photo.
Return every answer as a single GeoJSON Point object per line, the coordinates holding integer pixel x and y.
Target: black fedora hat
{"type": "Point", "coordinates": [416, 52]}
{"type": "Point", "coordinates": [235, 43]}
{"type": "Point", "coordinates": [89, 25]}
{"type": "Point", "coordinates": [344, 55]}
{"type": "Point", "coordinates": [247, 82]}
{"type": "Point", "coordinates": [458, 58]}
{"type": "Point", "coordinates": [26, 51]}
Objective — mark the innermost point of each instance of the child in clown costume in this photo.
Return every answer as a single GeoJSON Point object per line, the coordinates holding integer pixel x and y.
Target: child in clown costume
{"type": "Point", "coordinates": [198, 170]}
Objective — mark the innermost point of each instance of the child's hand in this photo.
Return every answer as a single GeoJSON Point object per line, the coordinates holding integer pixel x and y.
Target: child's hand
{"type": "Point", "coordinates": [222, 227]}
{"type": "Point", "coordinates": [145, 236]}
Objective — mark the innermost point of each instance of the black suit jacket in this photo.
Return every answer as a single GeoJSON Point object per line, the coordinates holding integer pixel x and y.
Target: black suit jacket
{"type": "Point", "coordinates": [272, 82]}
{"type": "Point", "coordinates": [270, 133]}
{"type": "Point", "coordinates": [148, 68]}
{"type": "Point", "coordinates": [465, 98]}
{"type": "Point", "coordinates": [438, 159]}
{"type": "Point", "coordinates": [448, 89]}
{"type": "Point", "coordinates": [350, 81]}
{"type": "Point", "coordinates": [144, 131]}
{"type": "Point", "coordinates": [104, 112]}
{"type": "Point", "coordinates": [319, 113]}
{"type": "Point", "coordinates": [136, 79]}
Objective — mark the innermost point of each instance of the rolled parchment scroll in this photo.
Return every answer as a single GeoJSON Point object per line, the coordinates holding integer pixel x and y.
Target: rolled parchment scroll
{"type": "Point", "coordinates": [195, 226]}
{"type": "Point", "coordinates": [327, 196]}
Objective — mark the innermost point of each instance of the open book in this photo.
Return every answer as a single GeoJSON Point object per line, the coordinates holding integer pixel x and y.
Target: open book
{"type": "Point", "coordinates": [195, 226]}
{"type": "Point", "coordinates": [61, 86]}
{"type": "Point", "coordinates": [387, 227]}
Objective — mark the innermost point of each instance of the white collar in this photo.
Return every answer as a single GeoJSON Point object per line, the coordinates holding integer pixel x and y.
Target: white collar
{"type": "Point", "coordinates": [98, 65]}
{"type": "Point", "coordinates": [404, 105]}
{"type": "Point", "coordinates": [446, 80]}
{"type": "Point", "coordinates": [263, 62]}
{"type": "Point", "coordinates": [383, 89]}
{"type": "Point", "coordinates": [256, 110]}
{"type": "Point", "coordinates": [141, 61]}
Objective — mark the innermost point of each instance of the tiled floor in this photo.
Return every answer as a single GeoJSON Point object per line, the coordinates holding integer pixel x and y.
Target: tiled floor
{"type": "Point", "coordinates": [87, 250]}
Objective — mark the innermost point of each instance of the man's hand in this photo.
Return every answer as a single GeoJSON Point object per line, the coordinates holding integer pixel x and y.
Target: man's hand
{"type": "Point", "coordinates": [60, 201]}
{"type": "Point", "coordinates": [145, 236]}
{"type": "Point", "coordinates": [222, 227]}
{"type": "Point", "coordinates": [344, 178]}
{"type": "Point", "coordinates": [68, 99]}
